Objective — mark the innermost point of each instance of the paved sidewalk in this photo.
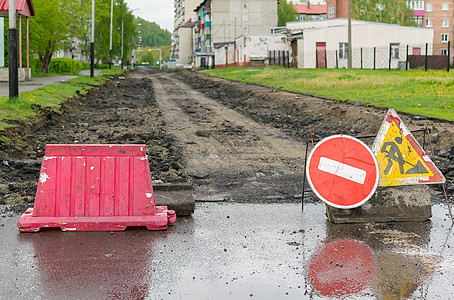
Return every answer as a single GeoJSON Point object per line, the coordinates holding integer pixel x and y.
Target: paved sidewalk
{"type": "Point", "coordinates": [38, 82]}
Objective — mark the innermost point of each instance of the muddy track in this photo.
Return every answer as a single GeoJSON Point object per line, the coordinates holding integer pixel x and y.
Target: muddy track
{"type": "Point", "coordinates": [235, 142]}
{"type": "Point", "coordinates": [228, 155]}
{"type": "Point", "coordinates": [307, 119]}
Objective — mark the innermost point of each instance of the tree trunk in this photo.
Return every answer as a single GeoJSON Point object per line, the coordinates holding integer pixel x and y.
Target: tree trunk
{"type": "Point", "coordinates": [45, 62]}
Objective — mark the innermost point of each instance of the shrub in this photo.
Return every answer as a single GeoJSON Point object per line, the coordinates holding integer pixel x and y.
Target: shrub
{"type": "Point", "coordinates": [66, 65]}
{"type": "Point", "coordinates": [102, 66]}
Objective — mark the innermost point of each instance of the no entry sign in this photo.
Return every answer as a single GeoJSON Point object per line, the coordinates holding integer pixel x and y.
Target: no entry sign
{"type": "Point", "coordinates": [342, 171]}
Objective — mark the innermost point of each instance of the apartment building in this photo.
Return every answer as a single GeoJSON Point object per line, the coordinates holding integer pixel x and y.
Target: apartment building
{"type": "Point", "coordinates": [337, 9]}
{"type": "Point", "coordinates": [220, 22]}
{"type": "Point", "coordinates": [434, 14]}
{"type": "Point", "coordinates": [310, 12]}
{"type": "Point", "coordinates": [184, 15]}
{"type": "Point", "coordinates": [184, 11]}
{"type": "Point", "coordinates": [438, 15]}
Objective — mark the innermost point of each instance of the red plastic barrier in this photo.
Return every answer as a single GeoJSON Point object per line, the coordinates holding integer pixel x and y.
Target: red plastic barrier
{"type": "Point", "coordinates": [95, 188]}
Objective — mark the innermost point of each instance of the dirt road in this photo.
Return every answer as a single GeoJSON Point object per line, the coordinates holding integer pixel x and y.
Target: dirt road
{"type": "Point", "coordinates": [229, 156]}
{"type": "Point", "coordinates": [235, 142]}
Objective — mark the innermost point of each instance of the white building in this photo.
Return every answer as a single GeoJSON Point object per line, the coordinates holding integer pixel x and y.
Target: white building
{"type": "Point", "coordinates": [250, 50]}
{"type": "Point", "coordinates": [325, 43]}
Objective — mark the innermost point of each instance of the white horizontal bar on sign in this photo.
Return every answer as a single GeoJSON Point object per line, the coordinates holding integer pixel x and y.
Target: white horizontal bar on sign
{"type": "Point", "coordinates": [342, 170]}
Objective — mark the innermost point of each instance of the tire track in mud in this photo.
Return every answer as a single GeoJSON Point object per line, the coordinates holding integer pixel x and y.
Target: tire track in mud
{"type": "Point", "coordinates": [228, 155]}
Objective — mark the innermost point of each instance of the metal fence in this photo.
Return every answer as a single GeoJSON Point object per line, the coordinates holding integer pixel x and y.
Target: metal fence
{"type": "Point", "coordinates": [392, 57]}
{"type": "Point", "coordinates": [279, 58]}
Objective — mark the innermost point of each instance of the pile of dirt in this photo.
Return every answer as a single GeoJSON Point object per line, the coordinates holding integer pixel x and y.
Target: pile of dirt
{"type": "Point", "coordinates": [121, 112]}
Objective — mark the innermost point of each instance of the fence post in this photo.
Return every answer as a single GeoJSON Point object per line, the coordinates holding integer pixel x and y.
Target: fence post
{"type": "Point", "coordinates": [269, 58]}
{"type": "Point", "coordinates": [274, 58]}
{"type": "Point", "coordinates": [288, 59]}
{"type": "Point", "coordinates": [425, 60]}
{"type": "Point", "coordinates": [449, 56]}
{"type": "Point", "coordinates": [326, 60]}
{"type": "Point", "coordinates": [316, 58]}
{"type": "Point", "coordinates": [375, 54]}
{"type": "Point", "coordinates": [337, 62]}
{"type": "Point", "coordinates": [361, 58]}
{"type": "Point", "coordinates": [406, 61]}
{"type": "Point", "coordinates": [390, 55]}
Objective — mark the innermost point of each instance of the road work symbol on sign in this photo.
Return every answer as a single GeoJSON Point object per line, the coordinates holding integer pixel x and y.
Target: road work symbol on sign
{"type": "Point", "coordinates": [342, 171]}
{"type": "Point", "coordinates": [400, 158]}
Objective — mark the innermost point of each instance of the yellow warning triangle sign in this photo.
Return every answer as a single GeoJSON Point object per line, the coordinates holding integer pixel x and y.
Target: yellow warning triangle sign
{"type": "Point", "coordinates": [401, 160]}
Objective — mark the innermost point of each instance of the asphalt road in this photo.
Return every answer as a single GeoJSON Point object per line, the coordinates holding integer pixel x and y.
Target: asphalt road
{"type": "Point", "coordinates": [234, 251]}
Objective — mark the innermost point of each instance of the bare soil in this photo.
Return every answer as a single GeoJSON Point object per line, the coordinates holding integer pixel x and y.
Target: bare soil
{"type": "Point", "coordinates": [235, 142]}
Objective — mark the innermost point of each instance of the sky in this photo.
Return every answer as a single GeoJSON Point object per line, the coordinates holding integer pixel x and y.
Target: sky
{"type": "Point", "coordinates": [158, 11]}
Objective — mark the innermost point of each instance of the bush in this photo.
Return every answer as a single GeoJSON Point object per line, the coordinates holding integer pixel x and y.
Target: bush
{"type": "Point", "coordinates": [66, 65]}
{"type": "Point", "coordinates": [102, 66]}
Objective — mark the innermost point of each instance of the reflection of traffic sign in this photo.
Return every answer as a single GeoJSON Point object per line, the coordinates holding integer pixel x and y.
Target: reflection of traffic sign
{"type": "Point", "coordinates": [341, 268]}
{"type": "Point", "coordinates": [342, 171]}
{"type": "Point", "coordinates": [400, 158]}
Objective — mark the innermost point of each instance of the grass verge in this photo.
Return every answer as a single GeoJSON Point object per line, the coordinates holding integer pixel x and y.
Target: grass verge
{"type": "Point", "coordinates": [418, 92]}
{"type": "Point", "coordinates": [49, 96]}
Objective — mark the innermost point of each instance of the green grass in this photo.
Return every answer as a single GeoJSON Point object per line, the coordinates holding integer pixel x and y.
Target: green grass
{"type": "Point", "coordinates": [418, 92]}
{"type": "Point", "coordinates": [49, 96]}
{"type": "Point", "coordinates": [114, 72]}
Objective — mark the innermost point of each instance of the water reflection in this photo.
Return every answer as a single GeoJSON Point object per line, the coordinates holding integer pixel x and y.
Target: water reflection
{"type": "Point", "coordinates": [372, 258]}
{"type": "Point", "coordinates": [94, 265]}
{"type": "Point", "coordinates": [341, 268]}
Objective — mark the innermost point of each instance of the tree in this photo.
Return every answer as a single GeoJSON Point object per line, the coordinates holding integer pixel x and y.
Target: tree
{"type": "Point", "coordinates": [383, 11]}
{"type": "Point", "coordinates": [285, 13]}
{"type": "Point", "coordinates": [50, 28]}
{"type": "Point", "coordinates": [152, 34]}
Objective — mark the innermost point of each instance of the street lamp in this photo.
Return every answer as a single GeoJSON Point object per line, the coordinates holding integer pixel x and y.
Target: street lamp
{"type": "Point", "coordinates": [111, 20]}
{"type": "Point", "coordinates": [133, 57]}
{"type": "Point", "coordinates": [92, 44]}
{"type": "Point", "coordinates": [12, 51]}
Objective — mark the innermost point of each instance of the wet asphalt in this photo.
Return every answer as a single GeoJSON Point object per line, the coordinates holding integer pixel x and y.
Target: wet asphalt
{"type": "Point", "coordinates": [234, 251]}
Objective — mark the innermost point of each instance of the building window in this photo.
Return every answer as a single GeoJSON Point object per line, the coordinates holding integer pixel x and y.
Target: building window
{"type": "Point", "coordinates": [394, 50]}
{"type": "Point", "coordinates": [444, 37]}
{"type": "Point", "coordinates": [245, 3]}
{"type": "Point", "coordinates": [415, 5]}
{"type": "Point", "coordinates": [300, 18]}
{"type": "Point", "coordinates": [428, 22]}
{"type": "Point", "coordinates": [429, 7]}
{"type": "Point", "coordinates": [444, 22]}
{"type": "Point", "coordinates": [331, 11]}
{"type": "Point", "coordinates": [343, 50]}
{"type": "Point", "coordinates": [445, 6]}
{"type": "Point", "coordinates": [418, 21]}
{"type": "Point", "coordinates": [444, 52]}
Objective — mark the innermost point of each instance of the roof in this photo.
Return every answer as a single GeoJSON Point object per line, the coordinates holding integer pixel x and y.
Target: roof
{"type": "Point", "coordinates": [310, 9]}
{"type": "Point", "coordinates": [188, 25]}
{"type": "Point", "coordinates": [23, 7]}
{"type": "Point", "coordinates": [301, 26]}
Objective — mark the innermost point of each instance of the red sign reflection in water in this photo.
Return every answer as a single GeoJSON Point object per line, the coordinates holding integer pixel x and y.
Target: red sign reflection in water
{"type": "Point", "coordinates": [341, 267]}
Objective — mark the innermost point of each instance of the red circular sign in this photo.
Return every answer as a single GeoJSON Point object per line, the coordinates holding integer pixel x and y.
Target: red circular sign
{"type": "Point", "coordinates": [341, 268]}
{"type": "Point", "coordinates": [342, 171]}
